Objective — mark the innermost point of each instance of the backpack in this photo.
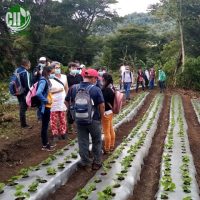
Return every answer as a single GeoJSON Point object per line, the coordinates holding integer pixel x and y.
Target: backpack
{"type": "Point", "coordinates": [15, 86]}
{"type": "Point", "coordinates": [118, 100]}
{"type": "Point", "coordinates": [83, 108]}
{"type": "Point", "coordinates": [31, 98]}
{"type": "Point", "coordinates": [129, 74]}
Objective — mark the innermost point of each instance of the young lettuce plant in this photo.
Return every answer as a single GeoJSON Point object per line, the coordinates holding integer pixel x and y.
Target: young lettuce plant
{"type": "Point", "coordinates": [2, 185]}
{"type": "Point", "coordinates": [51, 171]}
{"type": "Point", "coordinates": [20, 194]}
{"type": "Point", "coordinates": [33, 187]}
{"type": "Point", "coordinates": [106, 194]}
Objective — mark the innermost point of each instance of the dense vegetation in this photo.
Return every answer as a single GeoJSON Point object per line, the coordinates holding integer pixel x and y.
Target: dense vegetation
{"type": "Point", "coordinates": [88, 31]}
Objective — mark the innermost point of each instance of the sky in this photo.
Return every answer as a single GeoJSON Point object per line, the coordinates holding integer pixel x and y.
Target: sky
{"type": "Point", "coordinates": [124, 7]}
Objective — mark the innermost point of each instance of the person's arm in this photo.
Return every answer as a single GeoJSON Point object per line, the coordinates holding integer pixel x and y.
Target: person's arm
{"type": "Point", "coordinates": [102, 109]}
{"type": "Point", "coordinates": [66, 86]}
{"type": "Point", "coordinates": [39, 93]}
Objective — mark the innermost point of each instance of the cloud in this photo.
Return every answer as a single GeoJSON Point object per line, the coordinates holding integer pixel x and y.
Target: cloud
{"type": "Point", "coordinates": [125, 7]}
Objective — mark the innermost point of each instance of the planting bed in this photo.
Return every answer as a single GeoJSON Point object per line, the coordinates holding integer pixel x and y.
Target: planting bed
{"type": "Point", "coordinates": [56, 170]}
{"type": "Point", "coordinates": [178, 172]}
{"type": "Point", "coordinates": [196, 106]}
{"type": "Point", "coordinates": [122, 169]}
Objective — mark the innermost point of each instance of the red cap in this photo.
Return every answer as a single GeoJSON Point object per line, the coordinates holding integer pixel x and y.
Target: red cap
{"type": "Point", "coordinates": [90, 73]}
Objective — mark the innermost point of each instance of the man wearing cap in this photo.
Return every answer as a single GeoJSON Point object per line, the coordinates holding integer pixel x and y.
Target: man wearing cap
{"type": "Point", "coordinates": [37, 72]}
{"type": "Point", "coordinates": [94, 129]}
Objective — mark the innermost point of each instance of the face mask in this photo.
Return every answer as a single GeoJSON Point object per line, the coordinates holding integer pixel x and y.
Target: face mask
{"type": "Point", "coordinates": [57, 71]}
{"type": "Point", "coordinates": [101, 74]}
{"type": "Point", "coordinates": [52, 76]}
{"type": "Point", "coordinates": [74, 72]}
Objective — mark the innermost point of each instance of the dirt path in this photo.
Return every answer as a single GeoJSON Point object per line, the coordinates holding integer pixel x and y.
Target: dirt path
{"type": "Point", "coordinates": [193, 133]}
{"type": "Point", "coordinates": [81, 177]}
{"type": "Point", "coordinates": [147, 187]}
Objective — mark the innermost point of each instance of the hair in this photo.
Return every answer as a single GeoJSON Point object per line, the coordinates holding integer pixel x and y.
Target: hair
{"type": "Point", "coordinates": [45, 73]}
{"type": "Point", "coordinates": [108, 79]}
{"type": "Point", "coordinates": [54, 63]}
{"type": "Point", "coordinates": [25, 62]}
{"type": "Point", "coordinates": [72, 64]}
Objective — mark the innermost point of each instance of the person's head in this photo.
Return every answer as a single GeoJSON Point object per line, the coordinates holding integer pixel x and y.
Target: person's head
{"type": "Point", "coordinates": [57, 67]}
{"type": "Point", "coordinates": [26, 63]}
{"type": "Point", "coordinates": [90, 75]}
{"type": "Point", "coordinates": [47, 71]}
{"type": "Point", "coordinates": [73, 68]}
{"type": "Point", "coordinates": [127, 68]}
{"type": "Point", "coordinates": [42, 60]}
{"type": "Point", "coordinates": [107, 79]}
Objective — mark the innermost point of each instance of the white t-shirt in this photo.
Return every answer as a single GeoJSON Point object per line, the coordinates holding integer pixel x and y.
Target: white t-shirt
{"type": "Point", "coordinates": [59, 98]}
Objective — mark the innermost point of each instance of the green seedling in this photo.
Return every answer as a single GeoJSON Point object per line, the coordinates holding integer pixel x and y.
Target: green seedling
{"type": "Point", "coordinates": [61, 165]}
{"type": "Point", "coordinates": [51, 171]}
{"type": "Point", "coordinates": [24, 172]}
{"type": "Point", "coordinates": [2, 185]}
{"type": "Point", "coordinates": [72, 143]}
{"type": "Point", "coordinates": [74, 155]}
{"type": "Point", "coordinates": [106, 194]}
{"type": "Point", "coordinates": [167, 184]}
{"type": "Point", "coordinates": [33, 186]}
{"type": "Point", "coordinates": [59, 153]}
{"type": "Point", "coordinates": [47, 161]}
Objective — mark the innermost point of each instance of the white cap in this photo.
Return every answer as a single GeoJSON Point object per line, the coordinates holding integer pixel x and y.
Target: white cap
{"type": "Point", "coordinates": [42, 59]}
{"type": "Point", "coordinates": [82, 66]}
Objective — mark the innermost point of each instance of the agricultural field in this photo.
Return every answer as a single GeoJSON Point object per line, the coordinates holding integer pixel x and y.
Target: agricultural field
{"type": "Point", "coordinates": [156, 155]}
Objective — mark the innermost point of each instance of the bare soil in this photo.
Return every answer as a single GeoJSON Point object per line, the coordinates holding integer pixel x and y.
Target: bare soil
{"type": "Point", "coordinates": [80, 178]}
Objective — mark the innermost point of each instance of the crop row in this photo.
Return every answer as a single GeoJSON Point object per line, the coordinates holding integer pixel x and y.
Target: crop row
{"type": "Point", "coordinates": [178, 172]}
{"type": "Point", "coordinates": [196, 106]}
{"type": "Point", "coordinates": [122, 169]}
{"type": "Point", "coordinates": [38, 181]}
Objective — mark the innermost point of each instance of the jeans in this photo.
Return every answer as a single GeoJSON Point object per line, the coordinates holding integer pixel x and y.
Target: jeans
{"type": "Point", "coordinates": [83, 141]}
{"type": "Point", "coordinates": [151, 86]}
{"type": "Point", "coordinates": [127, 88]}
{"type": "Point", "coordinates": [137, 85]}
{"type": "Point", "coordinates": [22, 109]}
{"type": "Point", "coordinates": [162, 85]}
{"type": "Point", "coordinates": [45, 125]}
{"type": "Point", "coordinates": [109, 133]}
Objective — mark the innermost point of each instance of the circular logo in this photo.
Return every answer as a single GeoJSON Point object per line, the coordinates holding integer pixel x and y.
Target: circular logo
{"type": "Point", "coordinates": [18, 18]}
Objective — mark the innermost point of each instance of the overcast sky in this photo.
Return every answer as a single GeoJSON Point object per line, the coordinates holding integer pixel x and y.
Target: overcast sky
{"type": "Point", "coordinates": [125, 7]}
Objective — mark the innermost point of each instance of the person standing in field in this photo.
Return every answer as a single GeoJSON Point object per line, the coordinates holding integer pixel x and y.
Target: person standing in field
{"type": "Point", "coordinates": [88, 109]}
{"type": "Point", "coordinates": [146, 78]}
{"type": "Point", "coordinates": [127, 80]}
{"type": "Point", "coordinates": [152, 75]}
{"type": "Point", "coordinates": [161, 79]}
{"type": "Point", "coordinates": [59, 90]}
{"type": "Point", "coordinates": [140, 79]}
{"type": "Point", "coordinates": [45, 97]}
{"type": "Point", "coordinates": [73, 78]}
{"type": "Point", "coordinates": [107, 118]}
{"type": "Point", "coordinates": [24, 77]}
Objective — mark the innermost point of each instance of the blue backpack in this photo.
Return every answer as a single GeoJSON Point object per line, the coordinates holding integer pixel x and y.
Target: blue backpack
{"type": "Point", "coordinates": [83, 108]}
{"type": "Point", "coordinates": [15, 86]}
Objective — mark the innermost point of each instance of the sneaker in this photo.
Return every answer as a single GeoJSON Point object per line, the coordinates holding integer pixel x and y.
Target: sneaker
{"type": "Point", "coordinates": [47, 148]}
{"type": "Point", "coordinates": [82, 165]}
{"type": "Point", "coordinates": [27, 127]}
{"type": "Point", "coordinates": [96, 166]}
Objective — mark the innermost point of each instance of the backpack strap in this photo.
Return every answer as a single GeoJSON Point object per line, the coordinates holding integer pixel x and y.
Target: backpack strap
{"type": "Point", "coordinates": [59, 81]}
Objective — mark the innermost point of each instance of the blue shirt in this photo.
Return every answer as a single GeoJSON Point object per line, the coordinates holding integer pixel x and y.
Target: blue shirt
{"type": "Point", "coordinates": [42, 93]}
{"type": "Point", "coordinates": [96, 96]}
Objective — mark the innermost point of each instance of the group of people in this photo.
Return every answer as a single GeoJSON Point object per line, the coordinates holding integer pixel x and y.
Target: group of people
{"type": "Point", "coordinates": [144, 78]}
{"type": "Point", "coordinates": [82, 99]}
